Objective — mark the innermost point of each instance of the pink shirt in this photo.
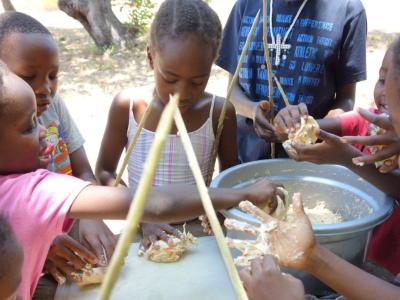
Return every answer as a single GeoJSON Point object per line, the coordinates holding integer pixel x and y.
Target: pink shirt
{"type": "Point", "coordinates": [353, 124]}
{"type": "Point", "coordinates": [36, 205]}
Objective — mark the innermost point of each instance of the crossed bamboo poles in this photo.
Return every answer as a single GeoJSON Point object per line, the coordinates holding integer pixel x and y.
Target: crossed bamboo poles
{"type": "Point", "coordinates": [170, 114]}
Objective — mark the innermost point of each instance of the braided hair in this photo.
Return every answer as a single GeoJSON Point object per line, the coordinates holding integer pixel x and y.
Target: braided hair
{"type": "Point", "coordinates": [177, 19]}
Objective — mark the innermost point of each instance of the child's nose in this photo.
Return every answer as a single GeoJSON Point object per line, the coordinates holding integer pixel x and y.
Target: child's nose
{"type": "Point", "coordinates": [44, 88]}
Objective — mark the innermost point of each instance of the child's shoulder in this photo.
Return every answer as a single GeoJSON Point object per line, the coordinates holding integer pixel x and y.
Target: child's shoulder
{"type": "Point", "coordinates": [218, 105]}
{"type": "Point", "coordinates": [131, 97]}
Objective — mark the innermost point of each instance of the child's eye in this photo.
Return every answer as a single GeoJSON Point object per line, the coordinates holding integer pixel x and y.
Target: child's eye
{"type": "Point", "coordinates": [27, 77]}
{"type": "Point", "coordinates": [53, 76]}
{"type": "Point", "coordinates": [170, 81]}
{"type": "Point", "coordinates": [32, 126]}
{"type": "Point", "coordinates": [197, 83]}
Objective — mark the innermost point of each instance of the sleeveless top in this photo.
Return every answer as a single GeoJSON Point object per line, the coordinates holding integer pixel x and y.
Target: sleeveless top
{"type": "Point", "coordinates": [173, 166]}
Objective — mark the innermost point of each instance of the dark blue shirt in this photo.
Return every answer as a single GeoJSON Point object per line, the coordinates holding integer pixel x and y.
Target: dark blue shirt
{"type": "Point", "coordinates": [328, 49]}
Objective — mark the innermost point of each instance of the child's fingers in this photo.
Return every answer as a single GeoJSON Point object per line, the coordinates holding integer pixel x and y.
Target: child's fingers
{"type": "Point", "coordinates": [64, 267]}
{"type": "Point", "coordinates": [233, 224]}
{"type": "Point", "coordinates": [387, 169]}
{"type": "Point", "coordinates": [383, 154]}
{"type": "Point", "coordinates": [108, 247]}
{"type": "Point", "coordinates": [256, 267]}
{"type": "Point", "coordinates": [241, 245]}
{"type": "Point", "coordinates": [265, 105]}
{"type": "Point", "coordinates": [381, 120]}
{"type": "Point", "coordinates": [172, 230]}
{"type": "Point", "coordinates": [55, 273]}
{"type": "Point", "coordinates": [303, 109]}
{"type": "Point", "coordinates": [371, 140]}
{"type": "Point", "coordinates": [287, 118]}
{"type": "Point", "coordinates": [270, 263]}
{"type": "Point", "coordinates": [328, 137]}
{"type": "Point", "coordinates": [245, 276]}
{"type": "Point", "coordinates": [298, 208]}
{"type": "Point", "coordinates": [162, 235]}
{"type": "Point", "coordinates": [256, 212]}
{"type": "Point", "coordinates": [94, 243]}
{"type": "Point", "coordinates": [81, 252]}
{"type": "Point", "coordinates": [153, 238]}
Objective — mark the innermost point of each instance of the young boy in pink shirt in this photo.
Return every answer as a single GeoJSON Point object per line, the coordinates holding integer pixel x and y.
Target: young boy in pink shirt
{"type": "Point", "coordinates": [40, 204]}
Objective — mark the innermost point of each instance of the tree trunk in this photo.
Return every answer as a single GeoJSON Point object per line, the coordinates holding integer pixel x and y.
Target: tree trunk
{"type": "Point", "coordinates": [7, 5]}
{"type": "Point", "coordinates": [98, 19]}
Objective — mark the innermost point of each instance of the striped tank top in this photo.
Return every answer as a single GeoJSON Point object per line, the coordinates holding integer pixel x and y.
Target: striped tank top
{"type": "Point", "coordinates": [173, 167]}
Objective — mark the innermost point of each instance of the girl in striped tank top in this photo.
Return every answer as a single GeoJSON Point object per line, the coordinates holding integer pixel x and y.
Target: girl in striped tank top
{"type": "Point", "coordinates": [184, 41]}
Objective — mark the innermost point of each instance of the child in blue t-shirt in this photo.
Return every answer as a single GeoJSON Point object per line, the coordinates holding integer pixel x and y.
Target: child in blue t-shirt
{"type": "Point", "coordinates": [322, 57]}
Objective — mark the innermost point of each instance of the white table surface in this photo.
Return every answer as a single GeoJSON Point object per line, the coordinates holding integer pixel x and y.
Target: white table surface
{"type": "Point", "coordinates": [200, 274]}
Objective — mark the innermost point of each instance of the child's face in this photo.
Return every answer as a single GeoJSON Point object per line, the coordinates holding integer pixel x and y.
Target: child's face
{"type": "Point", "coordinates": [392, 91]}
{"type": "Point", "coordinates": [20, 133]}
{"type": "Point", "coordinates": [181, 67]}
{"type": "Point", "coordinates": [379, 91]}
{"type": "Point", "coordinates": [34, 58]}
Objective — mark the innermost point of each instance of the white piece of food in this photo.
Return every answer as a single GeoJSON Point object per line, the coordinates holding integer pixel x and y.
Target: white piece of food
{"type": "Point", "coordinates": [163, 252]}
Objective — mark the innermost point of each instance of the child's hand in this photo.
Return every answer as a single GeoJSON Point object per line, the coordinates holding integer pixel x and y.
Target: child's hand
{"type": "Point", "coordinates": [291, 242]}
{"type": "Point", "coordinates": [153, 232]}
{"type": "Point", "coordinates": [263, 192]}
{"type": "Point", "coordinates": [96, 236]}
{"type": "Point", "coordinates": [262, 126]}
{"type": "Point", "coordinates": [389, 139]}
{"type": "Point", "coordinates": [266, 282]}
{"type": "Point", "coordinates": [67, 256]}
{"type": "Point", "coordinates": [288, 119]}
{"type": "Point", "coordinates": [330, 151]}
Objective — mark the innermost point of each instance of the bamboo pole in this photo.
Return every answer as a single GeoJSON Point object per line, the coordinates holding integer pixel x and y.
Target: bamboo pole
{"type": "Point", "coordinates": [283, 94]}
{"type": "Point", "coordinates": [133, 142]}
{"type": "Point", "coordinates": [137, 206]}
{"type": "Point", "coordinates": [209, 209]}
{"type": "Point", "coordinates": [269, 69]}
{"type": "Point", "coordinates": [227, 99]}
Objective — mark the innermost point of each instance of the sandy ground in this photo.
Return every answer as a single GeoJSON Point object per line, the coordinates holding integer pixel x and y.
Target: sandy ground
{"type": "Point", "coordinates": [89, 79]}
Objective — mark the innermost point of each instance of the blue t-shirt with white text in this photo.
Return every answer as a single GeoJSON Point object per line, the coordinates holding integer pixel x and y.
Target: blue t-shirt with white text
{"type": "Point", "coordinates": [328, 50]}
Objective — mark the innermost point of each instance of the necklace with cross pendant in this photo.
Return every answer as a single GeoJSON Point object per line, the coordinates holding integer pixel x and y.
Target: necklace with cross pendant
{"type": "Point", "coordinates": [278, 47]}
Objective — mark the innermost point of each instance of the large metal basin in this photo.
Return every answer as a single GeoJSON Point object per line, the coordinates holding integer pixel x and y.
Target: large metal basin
{"type": "Point", "coordinates": [361, 205]}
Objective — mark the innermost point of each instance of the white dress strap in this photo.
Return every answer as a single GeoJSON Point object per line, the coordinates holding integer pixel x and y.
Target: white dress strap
{"type": "Point", "coordinates": [212, 107]}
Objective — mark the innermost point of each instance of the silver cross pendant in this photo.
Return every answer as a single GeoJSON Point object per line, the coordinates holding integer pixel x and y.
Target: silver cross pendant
{"type": "Point", "coordinates": [278, 47]}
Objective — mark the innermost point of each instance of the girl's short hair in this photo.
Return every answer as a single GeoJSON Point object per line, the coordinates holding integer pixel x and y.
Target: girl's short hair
{"type": "Point", "coordinates": [396, 54]}
{"type": "Point", "coordinates": [16, 22]}
{"type": "Point", "coordinates": [180, 18]}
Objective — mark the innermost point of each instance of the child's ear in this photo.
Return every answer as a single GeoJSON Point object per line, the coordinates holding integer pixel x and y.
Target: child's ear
{"type": "Point", "coordinates": [150, 57]}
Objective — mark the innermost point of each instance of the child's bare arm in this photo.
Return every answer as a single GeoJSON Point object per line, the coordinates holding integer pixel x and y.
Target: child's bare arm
{"type": "Point", "coordinates": [114, 140]}
{"type": "Point", "coordinates": [165, 204]}
{"type": "Point", "coordinates": [227, 152]}
{"type": "Point", "coordinates": [331, 125]}
{"type": "Point", "coordinates": [80, 165]}
{"type": "Point", "coordinates": [347, 279]}
{"type": "Point", "coordinates": [294, 244]}
{"type": "Point", "coordinates": [333, 151]}
{"type": "Point", "coordinates": [344, 100]}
